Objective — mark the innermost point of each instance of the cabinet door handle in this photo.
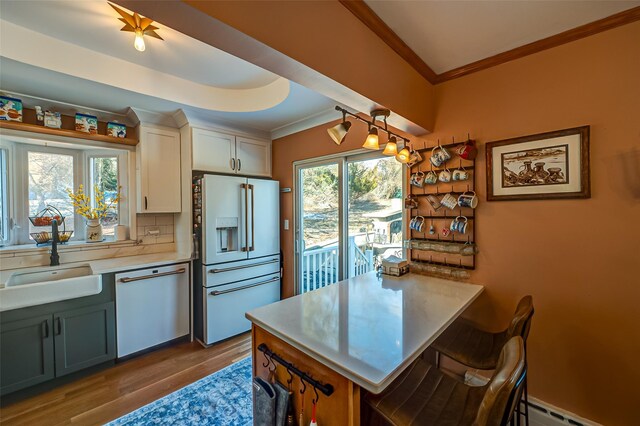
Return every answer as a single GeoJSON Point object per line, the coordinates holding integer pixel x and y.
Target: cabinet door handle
{"type": "Point", "coordinates": [58, 326]}
{"type": "Point", "coordinates": [145, 202]}
{"type": "Point", "coordinates": [239, 164]}
{"type": "Point", "coordinates": [232, 163]}
{"type": "Point", "coordinates": [45, 329]}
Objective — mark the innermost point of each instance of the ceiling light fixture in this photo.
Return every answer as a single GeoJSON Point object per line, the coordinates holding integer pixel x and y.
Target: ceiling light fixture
{"type": "Point", "coordinates": [339, 131]}
{"type": "Point", "coordinates": [138, 25]}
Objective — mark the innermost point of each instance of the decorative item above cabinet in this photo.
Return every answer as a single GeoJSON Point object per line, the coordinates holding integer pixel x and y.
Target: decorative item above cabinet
{"type": "Point", "coordinates": [226, 153]}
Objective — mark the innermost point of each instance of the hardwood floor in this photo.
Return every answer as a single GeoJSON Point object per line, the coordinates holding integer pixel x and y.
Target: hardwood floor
{"type": "Point", "coordinates": [109, 394]}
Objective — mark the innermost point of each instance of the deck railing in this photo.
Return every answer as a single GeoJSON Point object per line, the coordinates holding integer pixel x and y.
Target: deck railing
{"type": "Point", "coordinates": [320, 266]}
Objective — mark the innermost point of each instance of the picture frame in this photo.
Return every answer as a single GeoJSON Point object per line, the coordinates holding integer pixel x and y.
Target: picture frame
{"type": "Point", "coordinates": [551, 165]}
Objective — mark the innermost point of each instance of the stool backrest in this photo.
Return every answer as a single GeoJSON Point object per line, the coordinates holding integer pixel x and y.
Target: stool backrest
{"type": "Point", "coordinates": [504, 390]}
{"type": "Point", "coordinates": [521, 322]}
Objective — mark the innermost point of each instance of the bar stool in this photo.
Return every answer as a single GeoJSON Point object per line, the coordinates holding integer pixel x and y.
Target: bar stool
{"type": "Point", "coordinates": [475, 348]}
{"type": "Point", "coordinates": [424, 395]}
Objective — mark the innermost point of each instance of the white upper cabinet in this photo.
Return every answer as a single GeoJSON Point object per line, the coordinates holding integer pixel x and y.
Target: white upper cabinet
{"type": "Point", "coordinates": [158, 167]}
{"type": "Point", "coordinates": [253, 156]}
{"type": "Point", "coordinates": [227, 153]}
{"type": "Point", "coordinates": [212, 151]}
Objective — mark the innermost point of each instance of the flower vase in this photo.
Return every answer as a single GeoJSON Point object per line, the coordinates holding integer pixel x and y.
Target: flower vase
{"type": "Point", "coordinates": [93, 231]}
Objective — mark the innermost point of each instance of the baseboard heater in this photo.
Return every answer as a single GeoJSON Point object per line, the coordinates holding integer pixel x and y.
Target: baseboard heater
{"type": "Point", "coordinates": [540, 413]}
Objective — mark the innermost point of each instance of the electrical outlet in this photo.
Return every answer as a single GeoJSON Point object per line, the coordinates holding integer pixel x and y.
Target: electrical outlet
{"type": "Point", "coordinates": [286, 224]}
{"type": "Point", "coordinates": [153, 230]}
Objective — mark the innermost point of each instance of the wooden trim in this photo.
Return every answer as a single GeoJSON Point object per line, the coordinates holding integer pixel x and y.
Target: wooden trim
{"type": "Point", "coordinates": [586, 30]}
{"type": "Point", "coordinates": [364, 13]}
{"type": "Point", "coordinates": [35, 128]}
{"type": "Point", "coordinates": [585, 179]}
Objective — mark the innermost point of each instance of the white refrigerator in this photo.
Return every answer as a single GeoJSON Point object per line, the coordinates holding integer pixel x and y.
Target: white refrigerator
{"type": "Point", "coordinates": [236, 225]}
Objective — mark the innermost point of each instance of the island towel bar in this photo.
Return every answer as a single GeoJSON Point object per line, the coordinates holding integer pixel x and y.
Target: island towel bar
{"type": "Point", "coordinates": [326, 389]}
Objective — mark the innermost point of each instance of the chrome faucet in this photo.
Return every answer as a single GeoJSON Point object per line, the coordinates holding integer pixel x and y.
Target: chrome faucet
{"type": "Point", "coordinates": [55, 258]}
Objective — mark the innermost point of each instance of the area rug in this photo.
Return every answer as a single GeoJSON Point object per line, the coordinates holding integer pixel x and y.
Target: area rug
{"type": "Point", "coordinates": [222, 399]}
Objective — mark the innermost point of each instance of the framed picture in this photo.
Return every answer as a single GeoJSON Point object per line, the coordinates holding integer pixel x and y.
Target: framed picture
{"type": "Point", "coordinates": [538, 167]}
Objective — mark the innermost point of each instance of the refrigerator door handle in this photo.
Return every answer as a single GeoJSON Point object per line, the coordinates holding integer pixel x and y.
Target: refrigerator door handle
{"type": "Point", "coordinates": [253, 209]}
{"type": "Point", "coordinates": [235, 268]}
{"type": "Point", "coordinates": [220, 292]}
{"type": "Point", "coordinates": [246, 217]}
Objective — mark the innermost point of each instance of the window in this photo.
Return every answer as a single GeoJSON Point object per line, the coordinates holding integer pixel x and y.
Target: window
{"type": "Point", "coordinates": [103, 174]}
{"type": "Point", "coordinates": [40, 176]}
{"type": "Point", "coordinates": [49, 176]}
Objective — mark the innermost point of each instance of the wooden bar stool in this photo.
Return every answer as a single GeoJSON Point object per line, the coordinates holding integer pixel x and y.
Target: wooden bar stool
{"type": "Point", "coordinates": [475, 348]}
{"type": "Point", "coordinates": [424, 395]}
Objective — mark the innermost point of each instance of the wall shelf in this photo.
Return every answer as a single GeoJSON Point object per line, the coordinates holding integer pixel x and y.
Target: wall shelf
{"type": "Point", "coordinates": [35, 128]}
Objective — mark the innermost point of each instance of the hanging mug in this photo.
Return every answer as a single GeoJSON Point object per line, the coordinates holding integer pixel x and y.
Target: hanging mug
{"type": "Point", "coordinates": [417, 223]}
{"type": "Point", "coordinates": [468, 199]}
{"type": "Point", "coordinates": [444, 176]}
{"type": "Point", "coordinates": [449, 201]}
{"type": "Point", "coordinates": [414, 158]}
{"type": "Point", "coordinates": [439, 156]}
{"type": "Point", "coordinates": [431, 178]}
{"type": "Point", "coordinates": [417, 179]}
{"type": "Point", "coordinates": [468, 150]}
{"type": "Point", "coordinates": [459, 224]}
{"type": "Point", "coordinates": [446, 231]}
{"type": "Point", "coordinates": [410, 202]}
{"type": "Point", "coordinates": [460, 174]}
{"type": "Point", "coordinates": [434, 202]}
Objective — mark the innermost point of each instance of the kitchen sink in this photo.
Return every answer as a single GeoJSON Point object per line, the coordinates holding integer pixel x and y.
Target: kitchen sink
{"type": "Point", "coordinates": [46, 285]}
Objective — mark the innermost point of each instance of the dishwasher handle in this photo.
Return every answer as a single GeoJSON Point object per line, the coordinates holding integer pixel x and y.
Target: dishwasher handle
{"type": "Point", "coordinates": [244, 287]}
{"type": "Point", "coordinates": [146, 277]}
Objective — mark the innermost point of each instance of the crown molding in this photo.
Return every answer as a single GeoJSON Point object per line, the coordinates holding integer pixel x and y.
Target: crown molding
{"type": "Point", "coordinates": [365, 14]}
{"type": "Point", "coordinates": [368, 17]}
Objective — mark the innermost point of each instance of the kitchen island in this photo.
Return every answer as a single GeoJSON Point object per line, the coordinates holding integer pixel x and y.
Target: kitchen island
{"type": "Point", "coordinates": [358, 334]}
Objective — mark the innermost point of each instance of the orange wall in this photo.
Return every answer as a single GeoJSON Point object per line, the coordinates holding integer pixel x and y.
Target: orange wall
{"type": "Point", "coordinates": [578, 258]}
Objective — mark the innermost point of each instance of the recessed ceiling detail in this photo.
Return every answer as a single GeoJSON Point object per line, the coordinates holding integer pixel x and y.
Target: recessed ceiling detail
{"type": "Point", "coordinates": [23, 45]}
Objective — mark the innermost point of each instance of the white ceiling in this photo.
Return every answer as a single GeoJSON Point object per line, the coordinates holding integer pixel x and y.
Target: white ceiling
{"type": "Point", "coordinates": [60, 50]}
{"type": "Point", "coordinates": [450, 34]}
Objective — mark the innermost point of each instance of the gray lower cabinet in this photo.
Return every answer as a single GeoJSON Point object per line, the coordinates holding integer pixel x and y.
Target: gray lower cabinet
{"type": "Point", "coordinates": [26, 353]}
{"type": "Point", "coordinates": [40, 348]}
{"type": "Point", "coordinates": [84, 337]}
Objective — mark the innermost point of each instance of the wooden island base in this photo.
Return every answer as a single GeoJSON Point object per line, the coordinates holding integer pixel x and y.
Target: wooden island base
{"type": "Point", "coordinates": [342, 408]}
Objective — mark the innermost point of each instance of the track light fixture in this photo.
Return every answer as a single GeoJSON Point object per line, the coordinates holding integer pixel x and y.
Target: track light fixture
{"type": "Point", "coordinates": [392, 147]}
{"type": "Point", "coordinates": [339, 131]}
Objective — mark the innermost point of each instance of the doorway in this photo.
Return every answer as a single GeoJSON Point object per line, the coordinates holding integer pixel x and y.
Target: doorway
{"type": "Point", "coordinates": [348, 214]}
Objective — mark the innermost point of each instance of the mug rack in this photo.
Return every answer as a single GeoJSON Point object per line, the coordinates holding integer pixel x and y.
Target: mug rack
{"type": "Point", "coordinates": [426, 257]}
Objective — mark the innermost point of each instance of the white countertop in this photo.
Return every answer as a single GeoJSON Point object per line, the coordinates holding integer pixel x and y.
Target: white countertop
{"type": "Point", "coordinates": [365, 328]}
{"type": "Point", "coordinates": [114, 264]}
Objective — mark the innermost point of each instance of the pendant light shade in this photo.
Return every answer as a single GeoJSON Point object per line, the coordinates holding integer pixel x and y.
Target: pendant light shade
{"type": "Point", "coordinates": [403, 156]}
{"type": "Point", "coordinates": [372, 139]}
{"type": "Point", "coordinates": [392, 147]}
{"type": "Point", "coordinates": [339, 131]}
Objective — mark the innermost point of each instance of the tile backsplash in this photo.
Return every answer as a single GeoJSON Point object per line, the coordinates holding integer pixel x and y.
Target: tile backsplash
{"type": "Point", "coordinates": [155, 228]}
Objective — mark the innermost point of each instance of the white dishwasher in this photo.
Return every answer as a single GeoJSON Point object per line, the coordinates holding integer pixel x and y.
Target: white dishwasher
{"type": "Point", "coordinates": [152, 307]}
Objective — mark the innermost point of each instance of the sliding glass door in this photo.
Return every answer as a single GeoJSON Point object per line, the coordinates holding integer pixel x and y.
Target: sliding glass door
{"type": "Point", "coordinates": [348, 212]}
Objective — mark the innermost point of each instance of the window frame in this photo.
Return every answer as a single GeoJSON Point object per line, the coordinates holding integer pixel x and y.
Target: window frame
{"type": "Point", "coordinates": [5, 237]}
{"type": "Point", "coordinates": [121, 158]}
